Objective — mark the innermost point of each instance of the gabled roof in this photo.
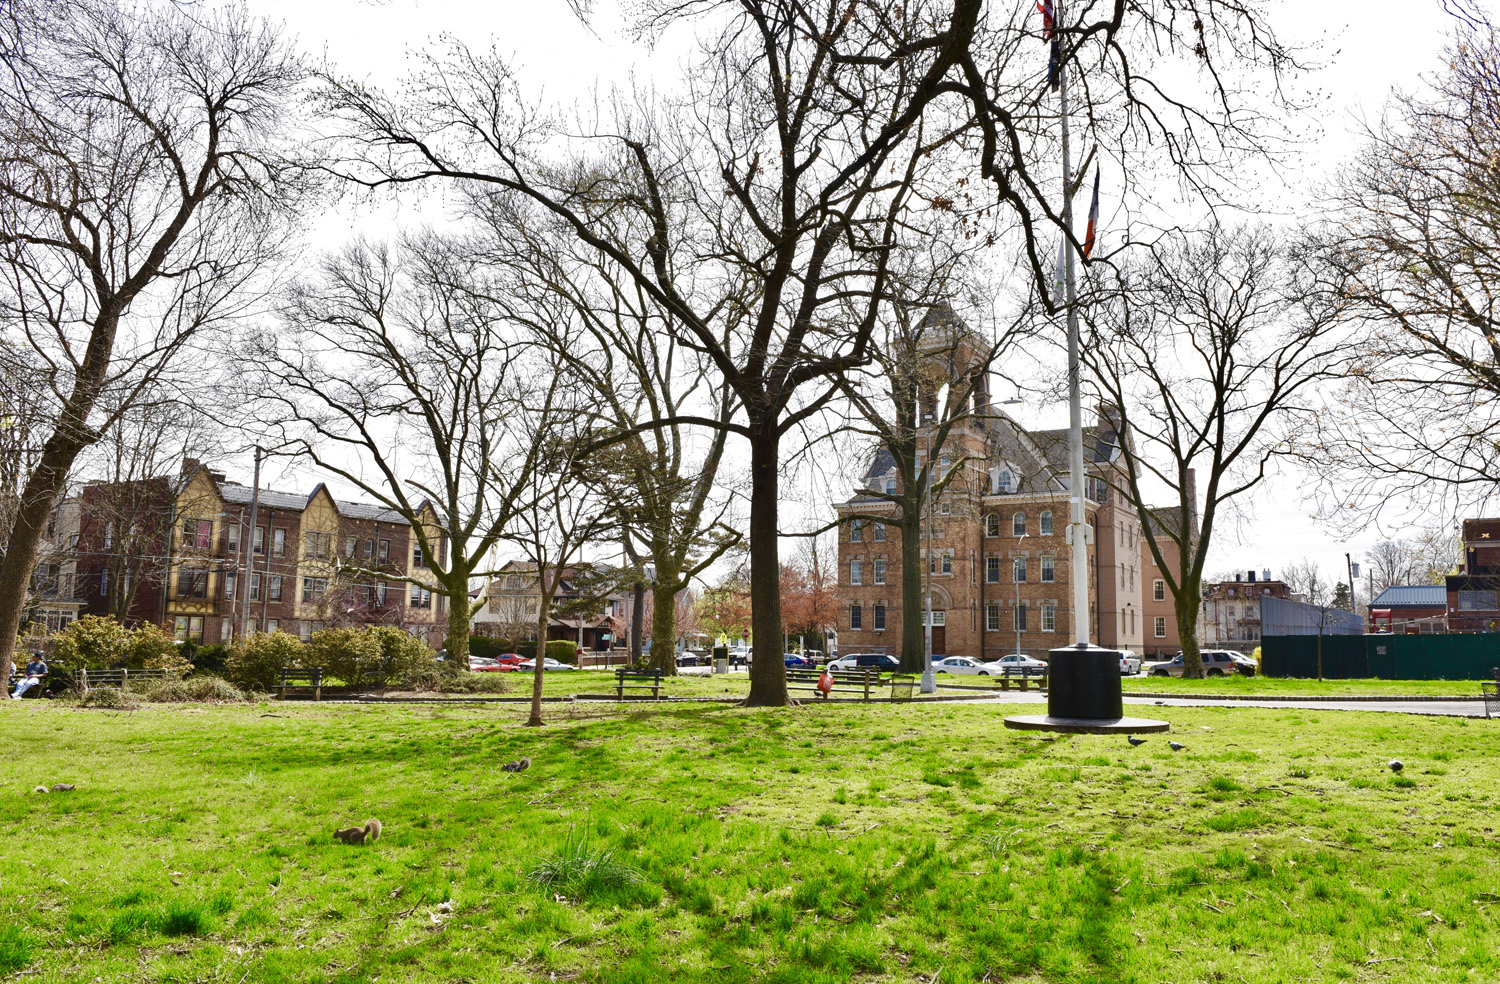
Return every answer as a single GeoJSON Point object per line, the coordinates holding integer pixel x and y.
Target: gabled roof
{"type": "Point", "coordinates": [271, 499]}
{"type": "Point", "coordinates": [1412, 596]}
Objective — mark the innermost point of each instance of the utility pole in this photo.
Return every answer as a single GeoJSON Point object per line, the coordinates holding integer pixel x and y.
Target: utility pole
{"type": "Point", "coordinates": [1077, 524]}
{"type": "Point", "coordinates": [929, 682]}
{"type": "Point", "coordinates": [249, 545]}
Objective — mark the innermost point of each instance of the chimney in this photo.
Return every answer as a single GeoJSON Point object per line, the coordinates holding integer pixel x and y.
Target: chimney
{"type": "Point", "coordinates": [190, 465]}
{"type": "Point", "coordinates": [1252, 577]}
{"type": "Point", "coordinates": [1265, 575]}
{"type": "Point", "coordinates": [1238, 577]}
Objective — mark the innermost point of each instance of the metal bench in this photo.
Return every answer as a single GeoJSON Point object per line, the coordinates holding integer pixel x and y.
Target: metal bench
{"type": "Point", "coordinates": [120, 677]}
{"type": "Point", "coordinates": [302, 680]}
{"type": "Point", "coordinates": [863, 681]}
{"type": "Point", "coordinates": [643, 680]}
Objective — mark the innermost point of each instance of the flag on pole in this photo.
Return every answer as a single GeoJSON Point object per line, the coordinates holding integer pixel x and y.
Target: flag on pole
{"type": "Point", "coordinates": [1088, 236]}
{"type": "Point", "coordinates": [1060, 274]}
{"type": "Point", "coordinates": [1049, 19]}
{"type": "Point", "coordinates": [1054, 67]}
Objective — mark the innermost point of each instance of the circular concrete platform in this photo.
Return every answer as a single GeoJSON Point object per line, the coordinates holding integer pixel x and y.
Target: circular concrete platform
{"type": "Point", "coordinates": [1085, 726]}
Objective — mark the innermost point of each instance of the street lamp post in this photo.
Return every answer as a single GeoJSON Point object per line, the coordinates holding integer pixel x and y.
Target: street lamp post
{"type": "Point", "coordinates": [929, 682]}
{"type": "Point", "coordinates": [1016, 616]}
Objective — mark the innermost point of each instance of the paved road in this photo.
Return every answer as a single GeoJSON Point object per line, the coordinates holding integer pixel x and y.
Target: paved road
{"type": "Point", "coordinates": [1445, 708]}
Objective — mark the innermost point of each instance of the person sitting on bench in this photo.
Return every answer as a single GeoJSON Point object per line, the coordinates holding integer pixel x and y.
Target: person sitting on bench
{"type": "Point", "coordinates": [36, 673]}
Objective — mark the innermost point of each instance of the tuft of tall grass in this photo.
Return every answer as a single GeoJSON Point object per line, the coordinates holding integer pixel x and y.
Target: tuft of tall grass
{"type": "Point", "coordinates": [581, 872]}
{"type": "Point", "coordinates": [15, 949]}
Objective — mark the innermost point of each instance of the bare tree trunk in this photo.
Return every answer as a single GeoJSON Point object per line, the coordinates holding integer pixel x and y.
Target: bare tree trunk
{"type": "Point", "coordinates": [768, 672]}
{"type": "Point", "coordinates": [638, 622]}
{"type": "Point", "coordinates": [457, 642]}
{"type": "Point", "coordinates": [664, 625]}
{"type": "Point", "coordinates": [544, 611]}
{"type": "Point", "coordinates": [1187, 631]}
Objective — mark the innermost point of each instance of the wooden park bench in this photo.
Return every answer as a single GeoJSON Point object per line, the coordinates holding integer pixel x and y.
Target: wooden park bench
{"type": "Point", "coordinates": [861, 681]}
{"type": "Point", "coordinates": [302, 681]}
{"type": "Point", "coordinates": [119, 677]}
{"type": "Point", "coordinates": [628, 679]}
{"type": "Point", "coordinates": [1025, 673]}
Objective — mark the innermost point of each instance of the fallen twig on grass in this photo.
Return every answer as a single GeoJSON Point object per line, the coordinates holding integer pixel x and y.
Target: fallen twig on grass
{"type": "Point", "coordinates": [1379, 960]}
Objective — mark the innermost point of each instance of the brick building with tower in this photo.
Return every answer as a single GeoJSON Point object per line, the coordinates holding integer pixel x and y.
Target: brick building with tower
{"type": "Point", "coordinates": [994, 550]}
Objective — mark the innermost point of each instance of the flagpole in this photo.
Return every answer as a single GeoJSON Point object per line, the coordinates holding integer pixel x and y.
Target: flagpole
{"type": "Point", "coordinates": [1078, 524]}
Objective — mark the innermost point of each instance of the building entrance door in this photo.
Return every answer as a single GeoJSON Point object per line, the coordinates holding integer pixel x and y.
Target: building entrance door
{"type": "Point", "coordinates": [939, 645]}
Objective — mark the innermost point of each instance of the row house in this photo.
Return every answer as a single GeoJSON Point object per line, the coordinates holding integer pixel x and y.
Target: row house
{"type": "Point", "coordinates": [996, 562]}
{"type": "Point", "coordinates": [182, 553]}
{"type": "Point", "coordinates": [1473, 594]}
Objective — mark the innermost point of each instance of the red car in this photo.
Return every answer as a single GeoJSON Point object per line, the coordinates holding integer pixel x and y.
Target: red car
{"type": "Point", "coordinates": [505, 663]}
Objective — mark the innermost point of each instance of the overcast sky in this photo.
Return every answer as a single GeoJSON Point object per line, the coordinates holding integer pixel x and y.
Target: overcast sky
{"type": "Point", "coordinates": [1369, 50]}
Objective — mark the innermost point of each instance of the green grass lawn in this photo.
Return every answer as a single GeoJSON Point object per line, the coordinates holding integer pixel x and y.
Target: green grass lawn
{"type": "Point", "coordinates": [713, 843]}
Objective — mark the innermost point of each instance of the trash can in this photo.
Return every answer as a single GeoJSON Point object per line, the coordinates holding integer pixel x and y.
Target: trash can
{"type": "Point", "coordinates": [721, 659]}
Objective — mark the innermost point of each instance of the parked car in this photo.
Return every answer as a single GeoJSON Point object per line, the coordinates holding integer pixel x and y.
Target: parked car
{"type": "Point", "coordinates": [1130, 663]}
{"type": "Point", "coordinates": [741, 657]}
{"type": "Point", "coordinates": [797, 661]}
{"type": "Point", "coordinates": [1216, 663]}
{"type": "Point", "coordinates": [862, 661]}
{"type": "Point", "coordinates": [962, 666]}
{"type": "Point", "coordinates": [689, 658]}
{"type": "Point", "coordinates": [548, 665]}
{"type": "Point", "coordinates": [1018, 664]}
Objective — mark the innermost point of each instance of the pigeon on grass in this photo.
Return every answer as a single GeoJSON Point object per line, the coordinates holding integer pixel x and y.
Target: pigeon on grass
{"type": "Point", "coordinates": [1134, 740]}
{"type": "Point", "coordinates": [1176, 746]}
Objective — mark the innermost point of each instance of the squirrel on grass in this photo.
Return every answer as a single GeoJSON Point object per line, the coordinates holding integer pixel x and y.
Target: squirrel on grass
{"type": "Point", "coordinates": [359, 835]}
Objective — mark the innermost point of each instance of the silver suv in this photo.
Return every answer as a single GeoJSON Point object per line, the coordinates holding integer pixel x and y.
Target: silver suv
{"type": "Point", "coordinates": [1216, 663]}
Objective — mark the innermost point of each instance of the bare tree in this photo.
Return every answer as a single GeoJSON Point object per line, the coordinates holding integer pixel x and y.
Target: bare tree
{"type": "Point", "coordinates": [760, 207]}
{"type": "Point", "coordinates": [616, 343]}
{"type": "Point", "coordinates": [143, 192]}
{"type": "Point", "coordinates": [1201, 356]}
{"type": "Point", "coordinates": [404, 378]}
{"type": "Point", "coordinates": [1413, 247]}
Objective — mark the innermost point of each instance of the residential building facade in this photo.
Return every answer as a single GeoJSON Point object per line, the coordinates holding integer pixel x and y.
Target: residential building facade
{"type": "Point", "coordinates": [1474, 593]}
{"type": "Point", "coordinates": [581, 613]}
{"type": "Point", "coordinates": [185, 556]}
{"type": "Point", "coordinates": [1231, 616]}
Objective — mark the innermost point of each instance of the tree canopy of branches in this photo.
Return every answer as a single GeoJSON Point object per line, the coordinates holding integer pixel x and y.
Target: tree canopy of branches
{"type": "Point", "coordinates": [1203, 357]}
{"type": "Point", "coordinates": [143, 189]}
{"type": "Point", "coordinates": [1413, 246]}
{"type": "Point", "coordinates": [403, 377]}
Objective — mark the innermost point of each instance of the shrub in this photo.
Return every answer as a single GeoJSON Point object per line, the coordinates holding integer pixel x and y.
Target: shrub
{"type": "Point", "coordinates": [108, 698]}
{"type": "Point", "coordinates": [487, 648]}
{"type": "Point", "coordinates": [196, 690]}
{"type": "Point", "coordinates": [256, 662]}
{"type": "Point", "coordinates": [563, 651]}
{"type": "Point", "coordinates": [154, 649]}
{"type": "Point", "coordinates": [210, 659]}
{"type": "Point", "coordinates": [401, 654]}
{"type": "Point", "coordinates": [446, 678]}
{"type": "Point", "coordinates": [93, 642]}
{"type": "Point", "coordinates": [348, 654]}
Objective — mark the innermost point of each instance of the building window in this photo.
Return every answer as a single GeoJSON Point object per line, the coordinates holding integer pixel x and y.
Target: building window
{"type": "Point", "coordinates": [275, 587]}
{"type": "Point", "coordinates": [992, 525]}
{"type": "Point", "coordinates": [1476, 601]}
{"type": "Point", "coordinates": [273, 625]}
{"type": "Point", "coordinates": [992, 617]}
{"type": "Point", "coordinates": [278, 543]}
{"type": "Point", "coordinates": [1003, 482]}
{"type": "Point", "coordinates": [104, 584]}
{"type": "Point", "coordinates": [1018, 524]}
{"type": "Point", "coordinates": [197, 534]}
{"type": "Point", "coordinates": [350, 543]}
{"type": "Point", "coordinates": [1161, 626]}
{"type": "Point", "coordinates": [879, 532]}
{"type": "Point", "coordinates": [1020, 570]}
{"type": "Point", "coordinates": [192, 584]}
{"type": "Point", "coordinates": [417, 559]}
{"type": "Point", "coordinates": [856, 572]}
{"type": "Point", "coordinates": [992, 570]}
{"type": "Point", "coordinates": [945, 508]}
{"type": "Point", "coordinates": [856, 617]}
{"type": "Point", "coordinates": [1049, 568]}
{"type": "Point", "coordinates": [890, 486]}
{"type": "Point", "coordinates": [380, 590]}
{"type": "Point", "coordinates": [109, 534]}
{"type": "Point", "coordinates": [1049, 616]}
{"type": "Point", "coordinates": [420, 597]}
{"type": "Point", "coordinates": [879, 618]}
{"type": "Point", "coordinates": [1159, 590]}
{"type": "Point", "coordinates": [947, 563]}
{"type": "Point", "coordinates": [255, 587]}
{"type": "Point", "coordinates": [304, 631]}
{"type": "Point", "coordinates": [367, 548]}
{"type": "Point", "coordinates": [188, 628]}
{"type": "Point", "coordinates": [258, 540]}
{"type": "Point", "coordinates": [1020, 617]}
{"type": "Point", "coordinates": [226, 630]}
{"type": "Point", "coordinates": [319, 546]}
{"type": "Point", "coordinates": [939, 619]}
{"type": "Point", "coordinates": [879, 571]}
{"type": "Point", "coordinates": [856, 531]}
{"type": "Point", "coordinates": [231, 579]}
{"type": "Point", "coordinates": [314, 588]}
{"type": "Point", "coordinates": [232, 537]}
{"type": "Point", "coordinates": [385, 551]}
{"type": "Point", "coordinates": [1046, 522]}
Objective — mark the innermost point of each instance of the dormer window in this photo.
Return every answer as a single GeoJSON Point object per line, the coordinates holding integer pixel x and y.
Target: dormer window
{"type": "Point", "coordinates": [1002, 481]}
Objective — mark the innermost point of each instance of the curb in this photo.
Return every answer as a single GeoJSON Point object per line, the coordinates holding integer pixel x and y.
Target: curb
{"type": "Point", "coordinates": [1301, 698]}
